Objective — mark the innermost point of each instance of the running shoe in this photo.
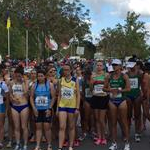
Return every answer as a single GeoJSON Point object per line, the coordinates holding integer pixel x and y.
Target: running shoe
{"type": "Point", "coordinates": [95, 138]}
{"type": "Point", "coordinates": [82, 137]}
{"type": "Point", "coordinates": [32, 139]}
{"type": "Point", "coordinates": [1, 145]}
{"type": "Point", "coordinates": [113, 146]}
{"type": "Point", "coordinates": [65, 143]}
{"type": "Point", "coordinates": [43, 139]}
{"type": "Point", "coordinates": [25, 147]}
{"type": "Point", "coordinates": [49, 147]}
{"type": "Point", "coordinates": [17, 147]}
{"type": "Point", "coordinates": [37, 148]}
{"type": "Point", "coordinates": [97, 142]}
{"type": "Point", "coordinates": [76, 143]}
{"type": "Point", "coordinates": [9, 145]}
{"type": "Point", "coordinates": [137, 138]}
{"type": "Point", "coordinates": [103, 142]}
{"type": "Point", "coordinates": [127, 146]}
{"type": "Point", "coordinates": [70, 148]}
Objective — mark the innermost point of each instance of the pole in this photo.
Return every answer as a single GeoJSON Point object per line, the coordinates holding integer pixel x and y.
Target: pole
{"type": "Point", "coordinates": [8, 42]}
{"type": "Point", "coordinates": [27, 47]}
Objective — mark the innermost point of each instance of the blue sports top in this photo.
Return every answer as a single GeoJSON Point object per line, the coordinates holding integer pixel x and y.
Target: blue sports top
{"type": "Point", "coordinates": [42, 95]}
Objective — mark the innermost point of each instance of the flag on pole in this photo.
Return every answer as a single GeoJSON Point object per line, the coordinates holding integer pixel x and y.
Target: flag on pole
{"type": "Point", "coordinates": [8, 23]}
{"type": "Point", "coordinates": [51, 43]}
{"type": "Point", "coordinates": [65, 46]}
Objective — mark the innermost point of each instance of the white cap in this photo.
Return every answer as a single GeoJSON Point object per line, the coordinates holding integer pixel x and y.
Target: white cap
{"type": "Point", "coordinates": [110, 68]}
{"type": "Point", "coordinates": [117, 62]}
{"type": "Point", "coordinates": [130, 64]}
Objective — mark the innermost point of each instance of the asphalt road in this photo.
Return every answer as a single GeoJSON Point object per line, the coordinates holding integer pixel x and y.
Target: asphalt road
{"type": "Point", "coordinates": [87, 144]}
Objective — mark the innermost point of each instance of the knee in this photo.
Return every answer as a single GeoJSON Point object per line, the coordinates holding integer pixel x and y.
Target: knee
{"type": "Point", "coordinates": [113, 124]}
{"type": "Point", "coordinates": [137, 116]}
{"type": "Point", "coordinates": [24, 128]}
{"type": "Point", "coordinates": [62, 128]}
{"type": "Point", "coordinates": [17, 129]}
{"type": "Point", "coordinates": [71, 127]}
{"type": "Point", "coordinates": [38, 128]}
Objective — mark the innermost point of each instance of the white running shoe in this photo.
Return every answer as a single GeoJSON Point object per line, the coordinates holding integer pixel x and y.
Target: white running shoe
{"type": "Point", "coordinates": [25, 147]}
{"type": "Point", "coordinates": [127, 146]}
{"type": "Point", "coordinates": [137, 138]}
{"type": "Point", "coordinates": [17, 147]}
{"type": "Point", "coordinates": [113, 146]}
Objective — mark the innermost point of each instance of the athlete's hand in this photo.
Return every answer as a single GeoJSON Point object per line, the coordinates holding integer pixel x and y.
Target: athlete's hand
{"type": "Point", "coordinates": [77, 111]}
{"type": "Point", "coordinates": [35, 112]}
{"type": "Point", "coordinates": [48, 113]}
{"type": "Point", "coordinates": [16, 101]}
{"type": "Point", "coordinates": [114, 91]}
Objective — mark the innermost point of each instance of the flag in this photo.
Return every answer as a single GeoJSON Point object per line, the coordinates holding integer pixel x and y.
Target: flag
{"type": "Point", "coordinates": [65, 46]}
{"type": "Point", "coordinates": [73, 39]}
{"type": "Point", "coordinates": [8, 23]}
{"type": "Point", "coordinates": [51, 43]}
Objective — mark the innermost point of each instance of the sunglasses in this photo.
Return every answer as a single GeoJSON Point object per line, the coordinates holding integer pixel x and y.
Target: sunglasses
{"type": "Point", "coordinates": [115, 65]}
{"type": "Point", "coordinates": [52, 71]}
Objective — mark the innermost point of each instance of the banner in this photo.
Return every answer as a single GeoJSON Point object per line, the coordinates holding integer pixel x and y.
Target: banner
{"type": "Point", "coordinates": [80, 50]}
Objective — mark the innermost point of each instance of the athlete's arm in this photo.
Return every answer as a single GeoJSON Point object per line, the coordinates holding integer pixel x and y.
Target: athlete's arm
{"type": "Point", "coordinates": [127, 84]}
{"type": "Point", "coordinates": [12, 98]}
{"type": "Point", "coordinates": [59, 92]}
{"type": "Point", "coordinates": [26, 89]}
{"type": "Point", "coordinates": [106, 87]}
{"type": "Point", "coordinates": [91, 83]}
{"type": "Point", "coordinates": [6, 90]}
{"type": "Point", "coordinates": [52, 90]}
{"type": "Point", "coordinates": [148, 90]}
{"type": "Point", "coordinates": [77, 94]}
{"type": "Point", "coordinates": [145, 85]}
{"type": "Point", "coordinates": [32, 100]}
{"type": "Point", "coordinates": [32, 97]}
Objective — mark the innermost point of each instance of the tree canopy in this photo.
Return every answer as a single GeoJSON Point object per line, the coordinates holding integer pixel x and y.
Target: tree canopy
{"type": "Point", "coordinates": [125, 40]}
{"type": "Point", "coordinates": [58, 18]}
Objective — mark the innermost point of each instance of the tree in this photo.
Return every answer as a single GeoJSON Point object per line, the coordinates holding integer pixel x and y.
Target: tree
{"type": "Point", "coordinates": [58, 18]}
{"type": "Point", "coordinates": [125, 40]}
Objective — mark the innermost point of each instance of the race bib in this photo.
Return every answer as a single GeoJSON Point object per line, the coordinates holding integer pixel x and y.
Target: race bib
{"type": "Point", "coordinates": [41, 101]}
{"type": "Point", "coordinates": [67, 93]}
{"type": "Point", "coordinates": [17, 90]}
{"type": "Point", "coordinates": [98, 89]}
{"type": "Point", "coordinates": [116, 95]}
{"type": "Point", "coordinates": [88, 93]}
{"type": "Point", "coordinates": [134, 83]}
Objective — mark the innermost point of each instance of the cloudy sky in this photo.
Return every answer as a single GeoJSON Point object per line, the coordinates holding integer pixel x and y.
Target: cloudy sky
{"type": "Point", "coordinates": [107, 13]}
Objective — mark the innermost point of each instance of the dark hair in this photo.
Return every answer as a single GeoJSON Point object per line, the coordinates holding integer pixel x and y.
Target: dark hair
{"type": "Point", "coordinates": [19, 70]}
{"type": "Point", "coordinates": [87, 73]}
{"type": "Point", "coordinates": [146, 66]}
{"type": "Point", "coordinates": [41, 71]}
{"type": "Point", "coordinates": [131, 60]}
{"type": "Point", "coordinates": [139, 63]}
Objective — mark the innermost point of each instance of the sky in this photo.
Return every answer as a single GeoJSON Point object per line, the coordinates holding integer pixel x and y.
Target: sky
{"type": "Point", "coordinates": [108, 13]}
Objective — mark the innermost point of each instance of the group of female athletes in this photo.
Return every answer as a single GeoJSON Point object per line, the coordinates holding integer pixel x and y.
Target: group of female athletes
{"type": "Point", "coordinates": [41, 106]}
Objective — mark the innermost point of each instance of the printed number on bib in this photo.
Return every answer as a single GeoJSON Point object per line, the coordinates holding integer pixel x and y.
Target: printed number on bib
{"type": "Point", "coordinates": [41, 101]}
{"type": "Point", "coordinates": [98, 88]}
{"type": "Point", "coordinates": [17, 89]}
{"type": "Point", "coordinates": [116, 95]}
{"type": "Point", "coordinates": [67, 93]}
{"type": "Point", "coordinates": [134, 83]}
{"type": "Point", "coordinates": [88, 93]}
